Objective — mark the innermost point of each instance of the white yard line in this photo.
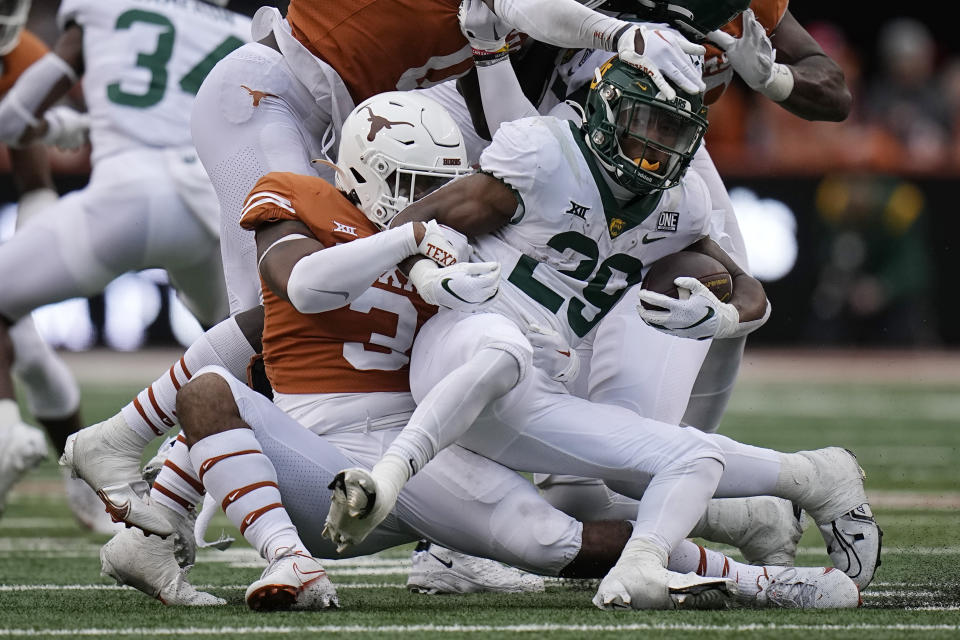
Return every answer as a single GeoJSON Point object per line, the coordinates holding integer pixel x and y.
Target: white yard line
{"type": "Point", "coordinates": [449, 629]}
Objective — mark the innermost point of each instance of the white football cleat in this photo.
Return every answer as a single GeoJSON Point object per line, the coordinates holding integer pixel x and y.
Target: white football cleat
{"type": "Point", "coordinates": [87, 507]}
{"type": "Point", "coordinates": [438, 570]}
{"type": "Point", "coordinates": [106, 458]}
{"type": "Point", "coordinates": [765, 529]}
{"type": "Point", "coordinates": [806, 588]}
{"type": "Point", "coordinates": [838, 504]}
{"type": "Point", "coordinates": [22, 447]}
{"type": "Point", "coordinates": [640, 580]}
{"type": "Point", "coordinates": [293, 580]}
{"type": "Point", "coordinates": [357, 506]}
{"type": "Point", "coordinates": [148, 564]}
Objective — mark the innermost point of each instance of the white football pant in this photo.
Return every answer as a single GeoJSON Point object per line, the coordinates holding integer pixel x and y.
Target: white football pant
{"type": "Point", "coordinates": [460, 500]}
{"type": "Point", "coordinates": [251, 117]}
{"type": "Point", "coordinates": [138, 211]}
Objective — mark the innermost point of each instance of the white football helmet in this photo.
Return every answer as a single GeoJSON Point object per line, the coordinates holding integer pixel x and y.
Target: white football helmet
{"type": "Point", "coordinates": [395, 148]}
{"type": "Point", "coordinates": [13, 15]}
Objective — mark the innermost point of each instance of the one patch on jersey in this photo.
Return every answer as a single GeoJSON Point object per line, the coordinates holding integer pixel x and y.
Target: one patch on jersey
{"type": "Point", "coordinates": [578, 210]}
{"type": "Point", "coordinates": [667, 221]}
{"type": "Point", "coordinates": [344, 228]}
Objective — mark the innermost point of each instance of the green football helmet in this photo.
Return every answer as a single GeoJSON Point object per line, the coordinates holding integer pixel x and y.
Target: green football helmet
{"type": "Point", "coordinates": [693, 18]}
{"type": "Point", "coordinates": [642, 140]}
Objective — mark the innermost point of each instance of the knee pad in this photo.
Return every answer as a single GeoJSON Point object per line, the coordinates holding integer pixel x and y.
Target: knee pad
{"type": "Point", "coordinates": [542, 539]}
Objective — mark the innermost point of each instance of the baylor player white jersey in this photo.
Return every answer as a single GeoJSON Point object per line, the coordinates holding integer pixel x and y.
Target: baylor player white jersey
{"type": "Point", "coordinates": [571, 251]}
{"type": "Point", "coordinates": [144, 61]}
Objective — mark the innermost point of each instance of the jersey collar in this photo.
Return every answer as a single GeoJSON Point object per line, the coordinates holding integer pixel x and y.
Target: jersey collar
{"type": "Point", "coordinates": [620, 218]}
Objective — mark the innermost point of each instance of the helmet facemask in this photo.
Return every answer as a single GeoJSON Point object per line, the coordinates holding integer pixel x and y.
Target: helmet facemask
{"type": "Point", "coordinates": [13, 16]}
{"type": "Point", "coordinates": [643, 141]}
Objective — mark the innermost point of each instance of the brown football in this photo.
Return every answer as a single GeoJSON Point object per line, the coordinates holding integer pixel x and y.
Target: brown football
{"type": "Point", "coordinates": [707, 270]}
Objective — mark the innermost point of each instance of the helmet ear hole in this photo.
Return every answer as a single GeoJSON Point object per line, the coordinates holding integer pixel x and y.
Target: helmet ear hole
{"type": "Point", "coordinates": [356, 176]}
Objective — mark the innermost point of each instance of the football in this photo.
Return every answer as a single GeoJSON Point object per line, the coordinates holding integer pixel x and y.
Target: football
{"type": "Point", "coordinates": [707, 270]}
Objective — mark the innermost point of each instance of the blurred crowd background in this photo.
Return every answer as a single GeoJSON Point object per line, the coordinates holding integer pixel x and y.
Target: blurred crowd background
{"type": "Point", "coordinates": [852, 226]}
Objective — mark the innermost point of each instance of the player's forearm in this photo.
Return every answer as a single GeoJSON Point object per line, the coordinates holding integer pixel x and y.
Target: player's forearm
{"type": "Point", "coordinates": [333, 277]}
{"type": "Point", "coordinates": [30, 168]}
{"type": "Point", "coordinates": [503, 99]}
{"type": "Point", "coordinates": [819, 90]}
{"type": "Point", "coordinates": [42, 84]}
{"type": "Point", "coordinates": [748, 297]}
{"type": "Point", "coordinates": [564, 23]}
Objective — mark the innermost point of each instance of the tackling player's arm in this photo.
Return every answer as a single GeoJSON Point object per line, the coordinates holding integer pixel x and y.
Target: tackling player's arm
{"type": "Point", "coordinates": [39, 87]}
{"type": "Point", "coordinates": [748, 296]}
{"type": "Point", "coordinates": [473, 205]}
{"type": "Point", "coordinates": [314, 278]}
{"type": "Point", "coordinates": [820, 90]}
{"type": "Point", "coordinates": [789, 67]}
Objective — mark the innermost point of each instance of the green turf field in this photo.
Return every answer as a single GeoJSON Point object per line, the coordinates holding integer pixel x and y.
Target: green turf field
{"type": "Point", "coordinates": [907, 437]}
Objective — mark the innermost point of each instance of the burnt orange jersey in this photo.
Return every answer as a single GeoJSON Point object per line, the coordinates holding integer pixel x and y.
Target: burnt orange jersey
{"type": "Point", "coordinates": [383, 45]}
{"type": "Point", "coordinates": [28, 50]}
{"type": "Point", "coordinates": [717, 72]}
{"type": "Point", "coordinates": [358, 348]}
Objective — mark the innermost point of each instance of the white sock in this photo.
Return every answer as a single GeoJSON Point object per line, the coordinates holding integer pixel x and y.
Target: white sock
{"type": "Point", "coordinates": [796, 479]}
{"type": "Point", "coordinates": [153, 412]}
{"type": "Point", "coordinates": [688, 557]}
{"type": "Point", "coordinates": [674, 501]}
{"type": "Point", "coordinates": [177, 486]}
{"type": "Point", "coordinates": [749, 470]}
{"type": "Point", "coordinates": [234, 470]}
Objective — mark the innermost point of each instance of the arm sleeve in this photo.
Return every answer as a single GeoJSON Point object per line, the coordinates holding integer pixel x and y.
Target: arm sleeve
{"type": "Point", "coordinates": [331, 278]}
{"type": "Point", "coordinates": [564, 23]}
{"type": "Point", "coordinates": [503, 99]}
{"type": "Point", "coordinates": [18, 108]}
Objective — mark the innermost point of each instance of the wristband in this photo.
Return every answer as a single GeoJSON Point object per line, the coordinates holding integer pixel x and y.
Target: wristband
{"type": "Point", "coordinates": [482, 58]}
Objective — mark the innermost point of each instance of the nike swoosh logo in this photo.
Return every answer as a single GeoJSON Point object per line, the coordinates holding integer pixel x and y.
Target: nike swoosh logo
{"type": "Point", "coordinates": [646, 239]}
{"type": "Point", "coordinates": [446, 287]}
{"type": "Point", "coordinates": [345, 294]}
{"type": "Point", "coordinates": [564, 353]}
{"type": "Point", "coordinates": [117, 512]}
{"type": "Point", "coordinates": [233, 495]}
{"type": "Point", "coordinates": [706, 316]}
{"type": "Point", "coordinates": [316, 574]}
{"type": "Point", "coordinates": [448, 563]}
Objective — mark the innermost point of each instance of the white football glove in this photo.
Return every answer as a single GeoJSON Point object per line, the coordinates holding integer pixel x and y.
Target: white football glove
{"type": "Point", "coordinates": [484, 30]}
{"type": "Point", "coordinates": [67, 128]}
{"type": "Point", "coordinates": [753, 57]}
{"type": "Point", "coordinates": [697, 314]}
{"type": "Point", "coordinates": [665, 53]}
{"type": "Point", "coordinates": [465, 286]}
{"type": "Point", "coordinates": [552, 353]}
{"type": "Point", "coordinates": [436, 246]}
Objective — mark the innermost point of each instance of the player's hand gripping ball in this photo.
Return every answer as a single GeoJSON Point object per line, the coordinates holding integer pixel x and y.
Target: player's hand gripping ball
{"type": "Point", "coordinates": [660, 278]}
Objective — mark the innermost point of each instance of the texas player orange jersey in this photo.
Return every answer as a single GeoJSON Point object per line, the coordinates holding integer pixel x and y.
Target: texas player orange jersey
{"type": "Point", "coordinates": [28, 50]}
{"type": "Point", "coordinates": [358, 348]}
{"type": "Point", "coordinates": [717, 72]}
{"type": "Point", "coordinates": [383, 45]}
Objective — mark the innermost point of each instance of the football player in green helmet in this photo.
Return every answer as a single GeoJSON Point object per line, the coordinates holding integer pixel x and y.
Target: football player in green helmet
{"type": "Point", "coordinates": [642, 139]}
